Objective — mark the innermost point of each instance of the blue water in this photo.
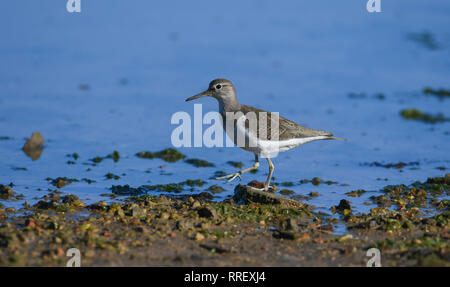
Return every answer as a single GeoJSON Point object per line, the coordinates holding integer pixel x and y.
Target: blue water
{"type": "Point", "coordinates": [141, 59]}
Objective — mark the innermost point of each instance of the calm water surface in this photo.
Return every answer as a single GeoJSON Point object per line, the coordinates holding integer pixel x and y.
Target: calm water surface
{"type": "Point", "coordinates": [111, 77]}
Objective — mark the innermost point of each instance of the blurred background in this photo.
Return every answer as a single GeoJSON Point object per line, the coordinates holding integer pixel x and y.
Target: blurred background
{"type": "Point", "coordinates": [110, 78]}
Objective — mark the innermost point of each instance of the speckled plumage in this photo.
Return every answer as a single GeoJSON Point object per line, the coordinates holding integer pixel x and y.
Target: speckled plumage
{"type": "Point", "coordinates": [276, 134]}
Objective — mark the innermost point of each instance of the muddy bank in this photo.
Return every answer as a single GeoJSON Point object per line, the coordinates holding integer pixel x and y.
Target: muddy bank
{"type": "Point", "coordinates": [147, 230]}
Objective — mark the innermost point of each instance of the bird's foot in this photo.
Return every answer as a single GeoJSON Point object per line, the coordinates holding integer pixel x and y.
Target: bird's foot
{"type": "Point", "coordinates": [230, 176]}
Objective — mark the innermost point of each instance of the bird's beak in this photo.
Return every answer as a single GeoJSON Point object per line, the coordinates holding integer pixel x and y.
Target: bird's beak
{"type": "Point", "coordinates": [201, 95]}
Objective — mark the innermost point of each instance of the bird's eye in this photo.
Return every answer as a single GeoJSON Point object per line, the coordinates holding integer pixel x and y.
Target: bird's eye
{"type": "Point", "coordinates": [219, 87]}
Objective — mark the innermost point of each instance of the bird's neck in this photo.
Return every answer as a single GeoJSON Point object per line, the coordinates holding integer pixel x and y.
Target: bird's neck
{"type": "Point", "coordinates": [228, 105]}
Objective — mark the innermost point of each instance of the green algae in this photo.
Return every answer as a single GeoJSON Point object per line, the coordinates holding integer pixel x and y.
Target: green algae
{"type": "Point", "coordinates": [110, 175]}
{"type": "Point", "coordinates": [88, 180]}
{"type": "Point", "coordinates": [60, 182]}
{"type": "Point", "coordinates": [127, 190]}
{"type": "Point", "coordinates": [193, 182]}
{"type": "Point", "coordinates": [6, 192]}
{"type": "Point", "coordinates": [148, 224]}
{"type": "Point", "coordinates": [168, 155]}
{"type": "Point", "coordinates": [397, 165]}
{"type": "Point", "coordinates": [409, 200]}
{"type": "Point", "coordinates": [286, 192]}
{"type": "Point", "coordinates": [417, 195]}
{"type": "Point", "coordinates": [287, 184]}
{"type": "Point", "coordinates": [170, 187]}
{"type": "Point", "coordinates": [440, 93]}
{"type": "Point", "coordinates": [356, 193]}
{"type": "Point", "coordinates": [443, 205]}
{"type": "Point", "coordinates": [97, 159]}
{"type": "Point", "coordinates": [198, 162]}
{"type": "Point", "coordinates": [236, 164]}
{"type": "Point", "coordinates": [316, 181]}
{"type": "Point", "coordinates": [417, 115]}
{"type": "Point", "coordinates": [344, 207]}
{"type": "Point", "coordinates": [114, 155]}
{"type": "Point", "coordinates": [258, 212]}
{"type": "Point", "coordinates": [442, 219]}
{"type": "Point", "coordinates": [215, 188]}
{"type": "Point", "coordinates": [53, 202]}
{"type": "Point", "coordinates": [74, 155]}
{"type": "Point", "coordinates": [434, 243]}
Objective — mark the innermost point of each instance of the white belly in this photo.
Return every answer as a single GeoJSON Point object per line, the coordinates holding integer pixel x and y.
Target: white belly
{"type": "Point", "coordinates": [247, 140]}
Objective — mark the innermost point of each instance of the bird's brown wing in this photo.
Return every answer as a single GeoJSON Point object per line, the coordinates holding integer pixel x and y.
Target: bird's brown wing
{"type": "Point", "coordinates": [286, 129]}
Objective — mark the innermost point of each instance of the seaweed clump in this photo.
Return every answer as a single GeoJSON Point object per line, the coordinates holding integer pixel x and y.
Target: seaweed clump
{"type": "Point", "coordinates": [115, 156]}
{"type": "Point", "coordinates": [415, 114]}
{"type": "Point", "coordinates": [199, 162]}
{"type": "Point", "coordinates": [168, 155]}
{"type": "Point", "coordinates": [441, 93]}
{"type": "Point", "coordinates": [144, 189]}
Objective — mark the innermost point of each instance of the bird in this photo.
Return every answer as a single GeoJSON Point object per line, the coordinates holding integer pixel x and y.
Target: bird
{"type": "Point", "coordinates": [271, 134]}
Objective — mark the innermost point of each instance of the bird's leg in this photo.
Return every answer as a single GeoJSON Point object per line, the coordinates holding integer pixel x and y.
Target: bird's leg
{"type": "Point", "coordinates": [267, 186]}
{"type": "Point", "coordinates": [271, 168]}
{"type": "Point", "coordinates": [238, 174]}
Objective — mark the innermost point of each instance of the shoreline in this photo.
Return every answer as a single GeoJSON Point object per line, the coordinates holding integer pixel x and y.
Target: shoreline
{"type": "Point", "coordinates": [195, 231]}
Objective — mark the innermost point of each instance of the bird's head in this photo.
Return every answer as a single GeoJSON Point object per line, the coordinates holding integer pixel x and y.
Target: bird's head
{"type": "Point", "coordinates": [220, 89]}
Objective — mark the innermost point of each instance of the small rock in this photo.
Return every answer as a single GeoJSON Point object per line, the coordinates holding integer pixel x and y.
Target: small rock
{"type": "Point", "coordinates": [286, 192]}
{"type": "Point", "coordinates": [345, 237]}
{"type": "Point", "coordinates": [184, 224]}
{"type": "Point", "coordinates": [343, 205]}
{"type": "Point", "coordinates": [136, 211]}
{"type": "Point", "coordinates": [204, 196]}
{"type": "Point", "coordinates": [101, 205]}
{"type": "Point", "coordinates": [6, 192]}
{"type": "Point", "coordinates": [290, 224]}
{"type": "Point", "coordinates": [70, 199]}
{"type": "Point", "coordinates": [293, 235]}
{"type": "Point", "coordinates": [215, 188]}
{"type": "Point", "coordinates": [207, 212]}
{"type": "Point", "coordinates": [429, 221]}
{"type": "Point", "coordinates": [316, 181]}
{"type": "Point", "coordinates": [199, 237]}
{"type": "Point", "coordinates": [164, 216]}
{"type": "Point", "coordinates": [205, 225]}
{"type": "Point", "coordinates": [256, 184]}
{"type": "Point", "coordinates": [60, 183]}
{"type": "Point", "coordinates": [373, 224]}
{"type": "Point", "coordinates": [246, 194]}
{"type": "Point", "coordinates": [196, 204]}
{"type": "Point", "coordinates": [34, 146]}
{"type": "Point", "coordinates": [215, 248]}
{"type": "Point", "coordinates": [42, 204]}
{"type": "Point", "coordinates": [140, 229]}
{"type": "Point", "coordinates": [30, 223]}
